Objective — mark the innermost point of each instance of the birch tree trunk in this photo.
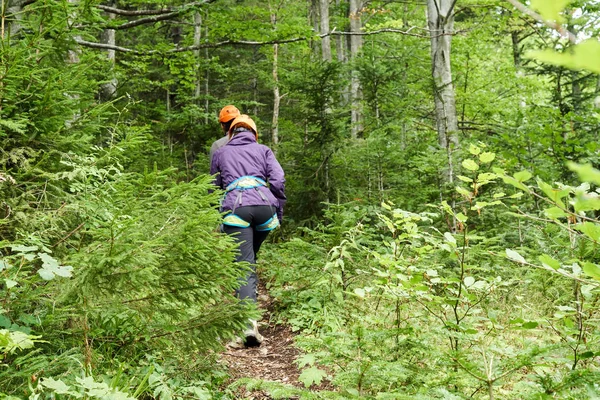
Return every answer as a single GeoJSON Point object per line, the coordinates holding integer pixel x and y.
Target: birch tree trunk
{"type": "Point", "coordinates": [276, 95]}
{"type": "Point", "coordinates": [324, 29]}
{"type": "Point", "coordinates": [339, 41]}
{"type": "Point", "coordinates": [355, 46]}
{"type": "Point", "coordinates": [109, 88]}
{"type": "Point", "coordinates": [440, 20]}
{"type": "Point", "coordinates": [197, 38]}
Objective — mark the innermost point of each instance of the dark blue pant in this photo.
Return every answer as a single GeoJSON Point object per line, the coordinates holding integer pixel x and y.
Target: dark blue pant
{"type": "Point", "coordinates": [249, 242]}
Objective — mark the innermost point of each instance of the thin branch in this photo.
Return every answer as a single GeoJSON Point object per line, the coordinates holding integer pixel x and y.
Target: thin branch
{"type": "Point", "coordinates": [132, 13]}
{"type": "Point", "coordinates": [244, 42]}
{"type": "Point", "coordinates": [551, 24]}
{"type": "Point", "coordinates": [161, 17]}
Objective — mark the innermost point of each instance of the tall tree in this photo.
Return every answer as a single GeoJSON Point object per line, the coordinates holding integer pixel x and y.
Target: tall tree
{"type": "Point", "coordinates": [326, 41]}
{"type": "Point", "coordinates": [355, 45]}
{"type": "Point", "coordinates": [440, 19]}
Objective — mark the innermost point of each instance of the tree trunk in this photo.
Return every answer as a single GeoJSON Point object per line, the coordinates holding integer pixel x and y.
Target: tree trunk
{"type": "Point", "coordinates": [441, 22]}
{"type": "Point", "coordinates": [355, 46]}
{"type": "Point", "coordinates": [276, 95]}
{"type": "Point", "coordinates": [326, 40]}
{"type": "Point", "coordinates": [339, 41]}
{"type": "Point", "coordinates": [197, 39]}
{"type": "Point", "coordinates": [10, 14]}
{"type": "Point", "coordinates": [109, 88]}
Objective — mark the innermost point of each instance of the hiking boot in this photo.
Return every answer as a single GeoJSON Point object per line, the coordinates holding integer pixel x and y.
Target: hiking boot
{"type": "Point", "coordinates": [252, 337]}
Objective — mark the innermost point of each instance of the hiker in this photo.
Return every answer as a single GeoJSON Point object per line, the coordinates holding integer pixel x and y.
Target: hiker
{"type": "Point", "coordinates": [226, 117]}
{"type": "Point", "coordinates": [253, 202]}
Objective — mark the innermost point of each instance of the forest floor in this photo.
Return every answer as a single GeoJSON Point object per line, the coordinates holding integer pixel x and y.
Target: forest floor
{"type": "Point", "coordinates": [273, 361]}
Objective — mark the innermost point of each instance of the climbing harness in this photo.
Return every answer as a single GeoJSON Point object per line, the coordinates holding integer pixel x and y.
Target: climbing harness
{"type": "Point", "coordinates": [242, 184]}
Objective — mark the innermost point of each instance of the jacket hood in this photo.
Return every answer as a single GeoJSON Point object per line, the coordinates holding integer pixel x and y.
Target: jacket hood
{"type": "Point", "coordinates": [241, 138]}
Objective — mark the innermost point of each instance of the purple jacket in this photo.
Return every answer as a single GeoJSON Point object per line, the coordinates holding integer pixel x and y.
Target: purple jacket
{"type": "Point", "coordinates": [242, 156]}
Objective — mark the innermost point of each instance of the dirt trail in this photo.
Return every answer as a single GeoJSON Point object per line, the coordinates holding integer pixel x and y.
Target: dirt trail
{"type": "Point", "coordinates": [272, 361]}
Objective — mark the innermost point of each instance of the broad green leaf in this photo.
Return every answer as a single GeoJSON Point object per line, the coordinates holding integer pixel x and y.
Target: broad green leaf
{"type": "Point", "coordinates": [556, 195]}
{"type": "Point", "coordinates": [464, 192]}
{"type": "Point", "coordinates": [582, 56]}
{"type": "Point", "coordinates": [587, 202]}
{"type": "Point", "coordinates": [23, 249]}
{"type": "Point", "coordinates": [312, 375]}
{"type": "Point", "coordinates": [530, 325]}
{"type": "Point", "coordinates": [10, 283]}
{"type": "Point", "coordinates": [523, 176]}
{"type": "Point", "coordinates": [548, 261]}
{"type": "Point", "coordinates": [586, 354]}
{"type": "Point", "coordinates": [448, 236]}
{"type": "Point", "coordinates": [474, 149]}
{"type": "Point", "coordinates": [464, 178]}
{"type": "Point", "coordinates": [514, 256]}
{"type": "Point", "coordinates": [59, 387]}
{"type": "Point", "coordinates": [591, 270]}
{"type": "Point", "coordinates": [487, 157]}
{"type": "Point", "coordinates": [469, 164]}
{"type": "Point", "coordinates": [509, 180]}
{"type": "Point", "coordinates": [550, 9]}
{"type": "Point", "coordinates": [555, 213]}
{"type": "Point", "coordinates": [589, 229]}
{"type": "Point", "coordinates": [586, 172]}
{"type": "Point", "coordinates": [486, 177]}
{"type": "Point", "coordinates": [461, 217]}
{"type": "Point", "coordinates": [469, 281]}
{"type": "Point", "coordinates": [499, 194]}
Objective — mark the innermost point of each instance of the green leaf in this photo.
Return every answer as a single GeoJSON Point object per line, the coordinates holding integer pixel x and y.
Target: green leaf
{"type": "Point", "coordinates": [548, 261]}
{"type": "Point", "coordinates": [487, 157]}
{"type": "Point", "coordinates": [587, 202]}
{"type": "Point", "coordinates": [582, 56]}
{"type": "Point", "coordinates": [464, 178]}
{"type": "Point", "coordinates": [312, 375]}
{"type": "Point", "coordinates": [555, 213]}
{"type": "Point", "coordinates": [449, 238]}
{"type": "Point", "coordinates": [530, 325]}
{"type": "Point", "coordinates": [514, 256]}
{"type": "Point", "coordinates": [556, 195]}
{"type": "Point", "coordinates": [469, 281]}
{"type": "Point", "coordinates": [471, 165]}
{"type": "Point", "coordinates": [586, 172]}
{"type": "Point", "coordinates": [10, 283]}
{"type": "Point", "coordinates": [523, 176]}
{"type": "Point", "coordinates": [59, 387]}
{"type": "Point", "coordinates": [461, 217]}
{"type": "Point", "coordinates": [486, 177]}
{"type": "Point", "coordinates": [474, 149]}
{"type": "Point", "coordinates": [591, 270]}
{"type": "Point", "coordinates": [360, 292]}
{"type": "Point", "coordinates": [589, 229]}
{"type": "Point", "coordinates": [23, 249]}
{"type": "Point", "coordinates": [464, 192]}
{"type": "Point", "coordinates": [550, 9]}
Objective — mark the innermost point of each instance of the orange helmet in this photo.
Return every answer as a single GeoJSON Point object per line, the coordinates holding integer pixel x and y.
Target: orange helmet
{"type": "Point", "coordinates": [246, 122]}
{"type": "Point", "coordinates": [228, 113]}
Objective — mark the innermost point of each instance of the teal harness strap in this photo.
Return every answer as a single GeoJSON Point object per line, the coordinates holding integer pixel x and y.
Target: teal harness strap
{"type": "Point", "coordinates": [243, 183]}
